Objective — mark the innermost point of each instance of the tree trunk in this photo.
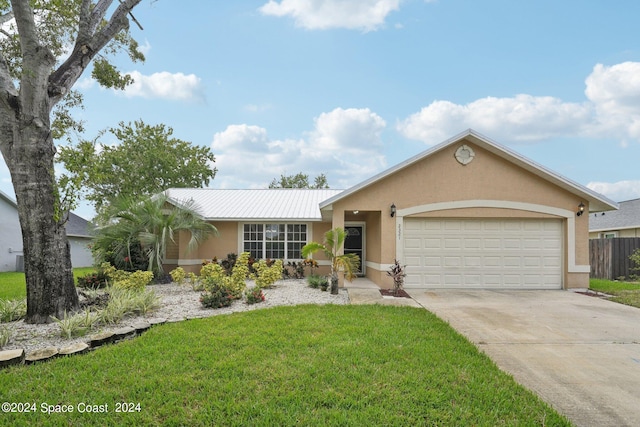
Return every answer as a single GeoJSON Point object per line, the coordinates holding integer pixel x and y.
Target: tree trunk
{"type": "Point", "coordinates": [334, 284]}
{"type": "Point", "coordinates": [47, 257]}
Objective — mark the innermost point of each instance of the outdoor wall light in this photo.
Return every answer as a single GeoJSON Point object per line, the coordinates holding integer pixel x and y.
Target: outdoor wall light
{"type": "Point", "coordinates": [356, 212]}
{"type": "Point", "coordinates": [393, 210]}
{"type": "Point", "coordinates": [580, 209]}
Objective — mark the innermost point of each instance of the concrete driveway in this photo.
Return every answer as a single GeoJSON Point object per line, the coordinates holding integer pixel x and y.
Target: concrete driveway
{"type": "Point", "coordinates": [580, 354]}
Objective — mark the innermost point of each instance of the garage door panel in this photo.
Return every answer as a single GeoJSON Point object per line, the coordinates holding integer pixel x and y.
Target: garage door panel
{"type": "Point", "coordinates": [483, 253]}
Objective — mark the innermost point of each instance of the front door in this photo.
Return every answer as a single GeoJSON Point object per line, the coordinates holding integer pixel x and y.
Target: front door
{"type": "Point", "coordinates": [354, 244]}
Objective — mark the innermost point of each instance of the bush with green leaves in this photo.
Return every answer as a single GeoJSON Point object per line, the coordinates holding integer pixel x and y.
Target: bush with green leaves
{"type": "Point", "coordinates": [136, 281]}
{"type": "Point", "coordinates": [125, 302]}
{"type": "Point", "coordinates": [254, 295]}
{"type": "Point", "coordinates": [78, 324]}
{"type": "Point", "coordinates": [178, 275]}
{"type": "Point", "coordinates": [315, 281]}
{"type": "Point", "coordinates": [266, 275]}
{"type": "Point", "coordinates": [112, 273]}
{"type": "Point", "coordinates": [217, 296]}
{"type": "Point", "coordinates": [11, 310]}
{"type": "Point", "coordinates": [212, 270]}
{"type": "Point", "coordinates": [97, 280]}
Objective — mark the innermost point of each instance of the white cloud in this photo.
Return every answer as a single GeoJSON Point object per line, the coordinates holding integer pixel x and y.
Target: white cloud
{"type": "Point", "coordinates": [618, 191]}
{"type": "Point", "coordinates": [176, 86]}
{"type": "Point", "coordinates": [615, 91]}
{"type": "Point", "coordinates": [365, 15]}
{"type": "Point", "coordinates": [521, 118]}
{"type": "Point", "coordinates": [345, 145]}
{"type": "Point", "coordinates": [612, 109]}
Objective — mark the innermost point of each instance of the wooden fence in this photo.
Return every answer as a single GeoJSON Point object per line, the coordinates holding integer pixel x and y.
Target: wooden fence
{"type": "Point", "coordinates": [609, 258]}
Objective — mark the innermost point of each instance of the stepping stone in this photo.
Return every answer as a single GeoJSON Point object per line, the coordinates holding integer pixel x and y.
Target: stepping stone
{"type": "Point", "coordinates": [101, 339]}
{"type": "Point", "coordinates": [40, 355]}
{"type": "Point", "coordinates": [77, 348]}
{"type": "Point", "coordinates": [123, 333]}
{"type": "Point", "coordinates": [141, 326]}
{"type": "Point", "coordinates": [11, 357]}
{"type": "Point", "coordinates": [157, 321]}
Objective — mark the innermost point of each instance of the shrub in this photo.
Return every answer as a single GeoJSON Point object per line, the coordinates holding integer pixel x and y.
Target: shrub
{"type": "Point", "coordinates": [294, 269]}
{"type": "Point", "coordinates": [229, 263]}
{"type": "Point", "coordinates": [315, 281]}
{"type": "Point", "coordinates": [11, 310]}
{"type": "Point", "coordinates": [135, 281]}
{"type": "Point", "coordinates": [396, 272]}
{"type": "Point", "coordinates": [213, 271]}
{"type": "Point", "coordinates": [266, 275]}
{"type": "Point", "coordinates": [124, 302]}
{"type": "Point", "coordinates": [196, 284]}
{"type": "Point", "coordinates": [178, 275]}
{"type": "Point", "coordinates": [254, 295]}
{"type": "Point", "coordinates": [217, 297]}
{"type": "Point", "coordinates": [635, 259]}
{"type": "Point", "coordinates": [96, 280]}
{"type": "Point", "coordinates": [239, 274]}
{"type": "Point", "coordinates": [112, 273]}
{"type": "Point", "coordinates": [77, 325]}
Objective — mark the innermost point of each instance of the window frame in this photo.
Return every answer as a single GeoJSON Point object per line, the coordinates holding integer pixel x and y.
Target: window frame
{"type": "Point", "coordinates": [299, 231]}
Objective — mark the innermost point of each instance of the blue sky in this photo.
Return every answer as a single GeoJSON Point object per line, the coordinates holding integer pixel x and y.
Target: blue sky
{"type": "Point", "coordinates": [349, 88]}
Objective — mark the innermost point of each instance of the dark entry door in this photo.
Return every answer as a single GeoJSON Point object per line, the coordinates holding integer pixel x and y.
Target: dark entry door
{"type": "Point", "coordinates": [354, 243]}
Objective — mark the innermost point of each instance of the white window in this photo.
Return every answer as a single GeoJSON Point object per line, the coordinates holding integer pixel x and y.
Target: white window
{"type": "Point", "coordinates": [274, 241]}
{"type": "Point", "coordinates": [609, 235]}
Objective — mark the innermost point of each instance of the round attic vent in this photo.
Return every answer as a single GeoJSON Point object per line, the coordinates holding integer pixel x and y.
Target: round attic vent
{"type": "Point", "coordinates": [465, 154]}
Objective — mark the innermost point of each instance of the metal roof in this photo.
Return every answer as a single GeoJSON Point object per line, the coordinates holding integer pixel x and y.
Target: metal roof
{"type": "Point", "coordinates": [597, 202]}
{"type": "Point", "coordinates": [627, 216]}
{"type": "Point", "coordinates": [264, 204]}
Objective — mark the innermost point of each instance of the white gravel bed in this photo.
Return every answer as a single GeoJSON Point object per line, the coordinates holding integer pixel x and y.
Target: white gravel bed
{"type": "Point", "coordinates": [178, 302]}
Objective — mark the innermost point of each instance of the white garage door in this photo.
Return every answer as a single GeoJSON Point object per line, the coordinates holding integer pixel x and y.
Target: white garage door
{"type": "Point", "coordinates": [483, 253]}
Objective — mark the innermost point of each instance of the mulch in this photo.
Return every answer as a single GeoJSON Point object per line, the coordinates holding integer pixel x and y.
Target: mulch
{"type": "Point", "coordinates": [389, 293]}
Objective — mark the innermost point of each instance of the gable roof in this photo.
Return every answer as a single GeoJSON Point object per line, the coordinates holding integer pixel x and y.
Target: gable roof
{"type": "Point", "coordinates": [597, 202]}
{"type": "Point", "coordinates": [627, 216]}
{"type": "Point", "coordinates": [258, 204]}
{"type": "Point", "coordinates": [76, 226]}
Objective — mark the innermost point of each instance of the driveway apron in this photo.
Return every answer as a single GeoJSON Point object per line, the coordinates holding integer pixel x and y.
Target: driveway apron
{"type": "Point", "coordinates": [579, 353]}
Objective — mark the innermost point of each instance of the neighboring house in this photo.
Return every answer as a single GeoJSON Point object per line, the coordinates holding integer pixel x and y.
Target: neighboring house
{"type": "Point", "coordinates": [625, 222]}
{"type": "Point", "coordinates": [11, 257]}
{"type": "Point", "coordinates": [468, 213]}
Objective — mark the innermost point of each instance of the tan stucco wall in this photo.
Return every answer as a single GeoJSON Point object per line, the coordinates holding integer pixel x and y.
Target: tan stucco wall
{"type": "Point", "coordinates": [440, 178]}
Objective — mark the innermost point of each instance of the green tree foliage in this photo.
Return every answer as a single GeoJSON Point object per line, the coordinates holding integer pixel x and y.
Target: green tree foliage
{"type": "Point", "coordinates": [299, 180]}
{"type": "Point", "coordinates": [147, 161]}
{"type": "Point", "coordinates": [154, 224]}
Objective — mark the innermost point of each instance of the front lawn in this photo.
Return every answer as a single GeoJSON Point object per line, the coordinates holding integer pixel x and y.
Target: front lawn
{"type": "Point", "coordinates": [623, 292]}
{"type": "Point", "coordinates": [13, 285]}
{"type": "Point", "coordinates": [301, 365]}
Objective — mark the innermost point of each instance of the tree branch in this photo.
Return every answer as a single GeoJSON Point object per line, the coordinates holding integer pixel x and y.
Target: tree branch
{"type": "Point", "coordinates": [84, 33]}
{"type": "Point", "coordinates": [6, 17]}
{"type": "Point", "coordinates": [68, 73]}
{"type": "Point", "coordinates": [98, 14]}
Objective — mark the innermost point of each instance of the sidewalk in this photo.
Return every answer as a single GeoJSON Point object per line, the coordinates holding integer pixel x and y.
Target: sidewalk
{"type": "Point", "coordinates": [364, 291]}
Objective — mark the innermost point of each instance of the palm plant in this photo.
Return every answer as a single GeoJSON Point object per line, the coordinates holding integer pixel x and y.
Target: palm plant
{"type": "Point", "coordinates": [333, 243]}
{"type": "Point", "coordinates": [151, 224]}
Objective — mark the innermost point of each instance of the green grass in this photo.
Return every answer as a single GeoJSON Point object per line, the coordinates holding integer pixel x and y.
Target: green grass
{"type": "Point", "coordinates": [303, 365]}
{"type": "Point", "coordinates": [14, 286]}
{"type": "Point", "coordinates": [623, 292]}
